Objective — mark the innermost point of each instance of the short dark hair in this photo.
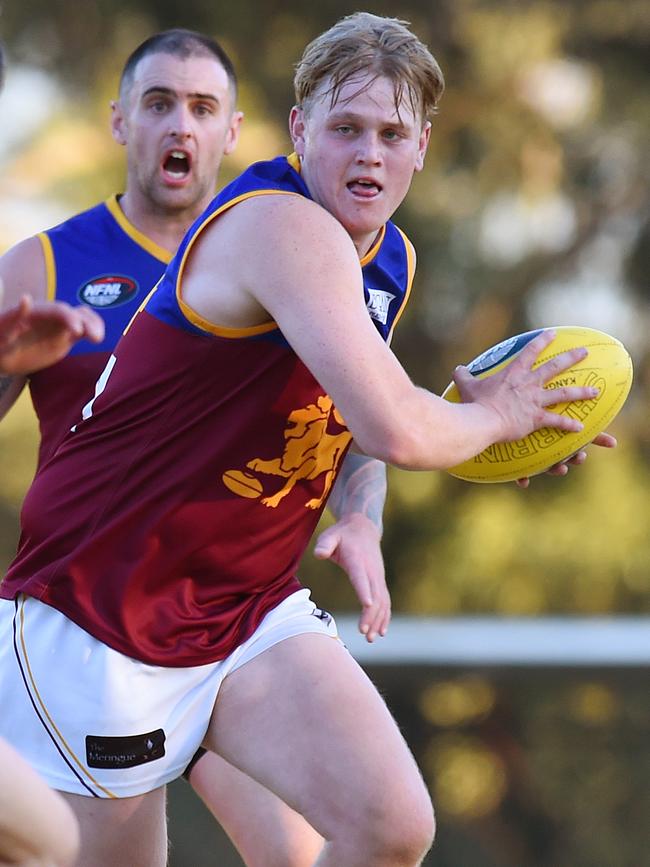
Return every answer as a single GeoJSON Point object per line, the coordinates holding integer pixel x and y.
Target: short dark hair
{"type": "Point", "coordinates": [180, 43]}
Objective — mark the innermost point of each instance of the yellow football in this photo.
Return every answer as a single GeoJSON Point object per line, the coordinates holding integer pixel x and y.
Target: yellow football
{"type": "Point", "coordinates": [608, 367]}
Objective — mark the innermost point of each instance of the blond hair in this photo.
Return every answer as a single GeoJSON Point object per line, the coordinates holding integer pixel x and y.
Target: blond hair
{"type": "Point", "coordinates": [362, 44]}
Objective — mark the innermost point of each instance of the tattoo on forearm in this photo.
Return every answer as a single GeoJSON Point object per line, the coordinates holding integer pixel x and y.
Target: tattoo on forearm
{"type": "Point", "coordinates": [5, 383]}
{"type": "Point", "coordinates": [361, 488]}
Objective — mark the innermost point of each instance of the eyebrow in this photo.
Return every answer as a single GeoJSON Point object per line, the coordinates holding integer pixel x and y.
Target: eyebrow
{"type": "Point", "coordinates": [343, 115]}
{"type": "Point", "coordinates": [167, 91]}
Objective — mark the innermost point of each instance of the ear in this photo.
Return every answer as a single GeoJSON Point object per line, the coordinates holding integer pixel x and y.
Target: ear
{"type": "Point", "coordinates": [297, 129]}
{"type": "Point", "coordinates": [118, 122]}
{"type": "Point", "coordinates": [232, 136]}
{"type": "Point", "coordinates": [423, 144]}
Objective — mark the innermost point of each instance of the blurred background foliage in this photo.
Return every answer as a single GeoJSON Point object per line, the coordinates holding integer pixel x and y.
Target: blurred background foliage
{"type": "Point", "coordinates": [533, 210]}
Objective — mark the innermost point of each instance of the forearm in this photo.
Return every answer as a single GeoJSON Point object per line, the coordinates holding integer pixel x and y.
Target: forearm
{"type": "Point", "coordinates": [360, 489]}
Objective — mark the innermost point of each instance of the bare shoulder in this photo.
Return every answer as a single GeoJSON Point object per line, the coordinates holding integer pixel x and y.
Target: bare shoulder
{"type": "Point", "coordinates": [23, 270]}
{"type": "Point", "coordinates": [264, 254]}
{"type": "Point", "coordinates": [297, 243]}
{"type": "Point", "coordinates": [282, 222]}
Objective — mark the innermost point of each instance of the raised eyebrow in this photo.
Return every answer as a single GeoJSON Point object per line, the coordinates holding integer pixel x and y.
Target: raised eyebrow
{"type": "Point", "coordinates": [167, 91]}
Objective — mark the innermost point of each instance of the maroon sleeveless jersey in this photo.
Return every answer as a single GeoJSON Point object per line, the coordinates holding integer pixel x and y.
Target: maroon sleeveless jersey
{"type": "Point", "coordinates": [173, 517]}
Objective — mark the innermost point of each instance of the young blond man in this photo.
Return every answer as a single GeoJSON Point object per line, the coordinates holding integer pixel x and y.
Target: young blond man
{"type": "Point", "coordinates": [177, 118]}
{"type": "Point", "coordinates": [262, 367]}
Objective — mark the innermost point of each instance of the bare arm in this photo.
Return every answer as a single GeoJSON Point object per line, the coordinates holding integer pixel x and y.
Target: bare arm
{"type": "Point", "coordinates": [360, 489]}
{"type": "Point", "coordinates": [34, 332]}
{"type": "Point", "coordinates": [22, 270]}
{"type": "Point", "coordinates": [285, 258]}
{"type": "Point", "coordinates": [36, 825]}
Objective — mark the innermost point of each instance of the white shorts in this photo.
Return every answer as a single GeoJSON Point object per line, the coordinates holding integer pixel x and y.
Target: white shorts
{"type": "Point", "coordinates": [95, 722]}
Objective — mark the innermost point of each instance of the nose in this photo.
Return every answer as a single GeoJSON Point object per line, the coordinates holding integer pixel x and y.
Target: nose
{"type": "Point", "coordinates": [369, 150]}
{"type": "Point", "coordinates": [181, 126]}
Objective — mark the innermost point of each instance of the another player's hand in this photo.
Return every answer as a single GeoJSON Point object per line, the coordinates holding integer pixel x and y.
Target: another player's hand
{"type": "Point", "coordinates": [604, 440]}
{"type": "Point", "coordinates": [33, 336]}
{"type": "Point", "coordinates": [517, 394]}
{"type": "Point", "coordinates": [353, 543]}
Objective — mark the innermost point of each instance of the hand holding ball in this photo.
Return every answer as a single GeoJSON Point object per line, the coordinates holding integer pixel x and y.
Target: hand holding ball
{"type": "Point", "coordinates": [607, 367]}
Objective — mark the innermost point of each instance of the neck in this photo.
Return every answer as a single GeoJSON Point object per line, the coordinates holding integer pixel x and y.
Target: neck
{"type": "Point", "coordinates": [166, 227]}
{"type": "Point", "coordinates": [365, 244]}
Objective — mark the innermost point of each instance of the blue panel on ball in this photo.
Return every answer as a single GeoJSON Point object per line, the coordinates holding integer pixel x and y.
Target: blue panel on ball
{"type": "Point", "coordinates": [501, 352]}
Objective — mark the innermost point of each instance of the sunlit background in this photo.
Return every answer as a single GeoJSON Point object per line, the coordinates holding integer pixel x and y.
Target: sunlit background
{"type": "Point", "coordinates": [533, 210]}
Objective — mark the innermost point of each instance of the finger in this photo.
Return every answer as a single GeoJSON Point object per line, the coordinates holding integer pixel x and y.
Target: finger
{"type": "Point", "coordinates": [57, 315]}
{"type": "Point", "coordinates": [523, 483]}
{"type": "Point", "coordinates": [558, 470]}
{"type": "Point", "coordinates": [375, 600]}
{"type": "Point", "coordinates": [577, 459]}
{"type": "Point", "coordinates": [605, 440]}
{"type": "Point", "coordinates": [561, 362]}
{"type": "Point", "coordinates": [568, 394]}
{"type": "Point", "coordinates": [93, 324]}
{"type": "Point", "coordinates": [463, 378]}
{"type": "Point", "coordinates": [461, 374]}
{"type": "Point", "coordinates": [559, 421]}
{"type": "Point", "coordinates": [384, 618]}
{"type": "Point", "coordinates": [25, 304]}
{"type": "Point", "coordinates": [533, 350]}
{"type": "Point", "coordinates": [366, 620]}
{"type": "Point", "coordinates": [376, 625]}
{"type": "Point", "coordinates": [377, 620]}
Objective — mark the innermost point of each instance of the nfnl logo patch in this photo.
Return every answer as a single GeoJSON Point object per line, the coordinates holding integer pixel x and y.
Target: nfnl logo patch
{"type": "Point", "coordinates": [108, 291]}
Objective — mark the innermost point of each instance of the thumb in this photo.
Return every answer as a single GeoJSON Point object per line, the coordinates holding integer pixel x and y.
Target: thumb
{"type": "Point", "coordinates": [326, 544]}
{"type": "Point", "coordinates": [462, 375]}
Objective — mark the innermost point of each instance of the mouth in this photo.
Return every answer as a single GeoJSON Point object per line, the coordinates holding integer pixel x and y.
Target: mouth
{"type": "Point", "coordinates": [365, 188]}
{"type": "Point", "coordinates": [176, 165]}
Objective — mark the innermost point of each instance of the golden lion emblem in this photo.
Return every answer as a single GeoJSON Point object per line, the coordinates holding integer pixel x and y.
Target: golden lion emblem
{"type": "Point", "coordinates": [309, 452]}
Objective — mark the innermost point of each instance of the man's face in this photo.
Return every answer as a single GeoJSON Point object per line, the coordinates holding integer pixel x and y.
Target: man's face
{"type": "Point", "coordinates": [359, 155]}
{"type": "Point", "coordinates": [176, 121]}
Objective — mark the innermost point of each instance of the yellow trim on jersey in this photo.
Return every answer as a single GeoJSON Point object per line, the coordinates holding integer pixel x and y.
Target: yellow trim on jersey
{"type": "Point", "coordinates": [190, 314]}
{"type": "Point", "coordinates": [372, 252]}
{"type": "Point", "coordinates": [294, 161]}
{"type": "Point", "coordinates": [141, 307]}
{"type": "Point", "coordinates": [135, 234]}
{"type": "Point", "coordinates": [50, 266]}
{"type": "Point", "coordinates": [37, 694]}
{"type": "Point", "coordinates": [410, 274]}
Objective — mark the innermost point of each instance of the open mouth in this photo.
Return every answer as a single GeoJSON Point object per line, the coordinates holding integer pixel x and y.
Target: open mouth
{"type": "Point", "coordinates": [364, 187]}
{"type": "Point", "coordinates": [177, 165]}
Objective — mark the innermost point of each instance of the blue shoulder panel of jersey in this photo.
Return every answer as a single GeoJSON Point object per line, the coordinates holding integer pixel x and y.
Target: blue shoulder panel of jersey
{"type": "Point", "coordinates": [387, 281]}
{"type": "Point", "coordinates": [386, 276]}
{"type": "Point", "coordinates": [97, 263]}
{"type": "Point", "coordinates": [275, 174]}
